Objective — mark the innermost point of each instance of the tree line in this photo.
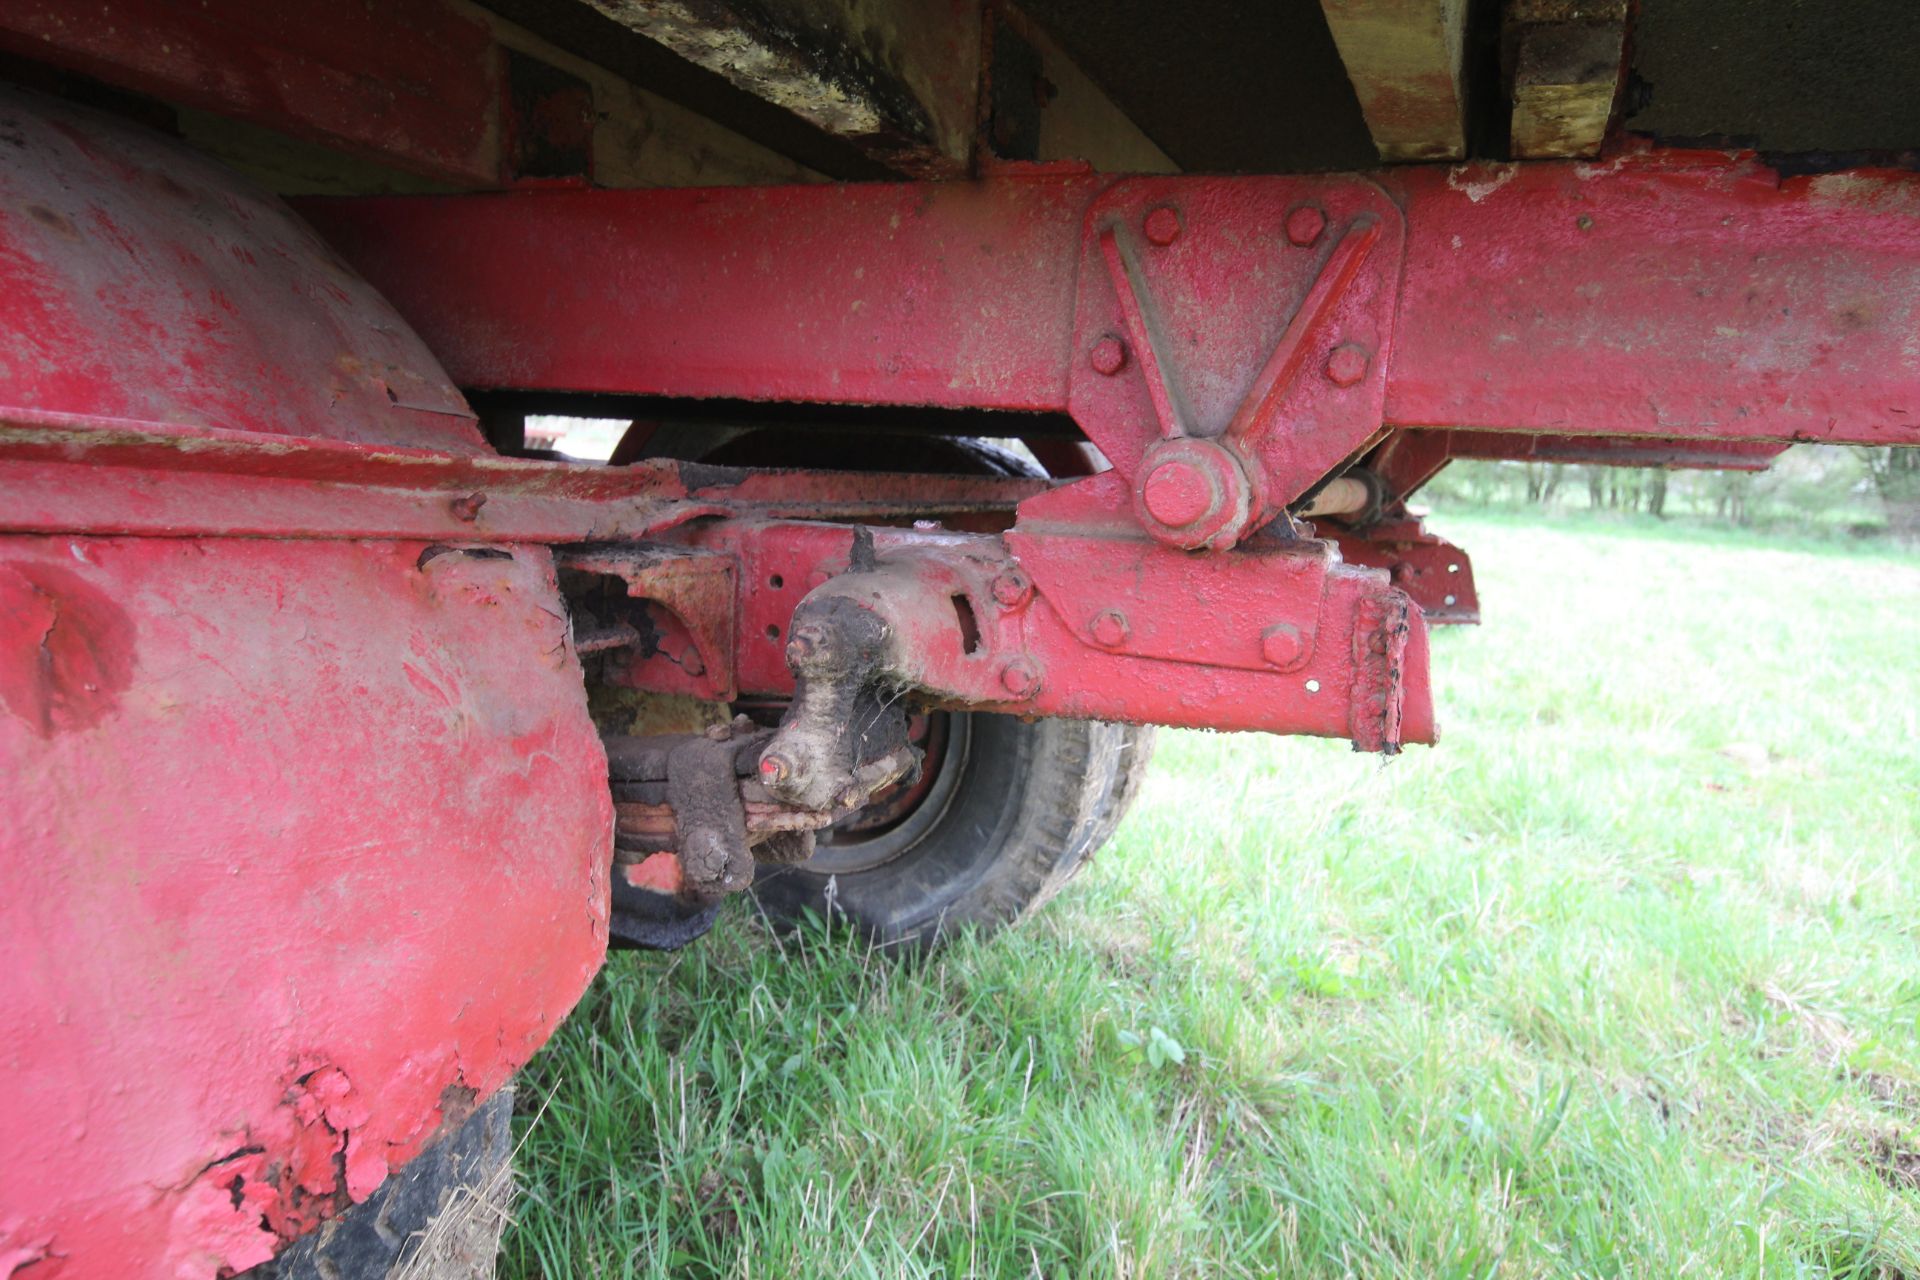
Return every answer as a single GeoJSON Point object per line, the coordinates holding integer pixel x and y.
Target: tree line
{"type": "Point", "coordinates": [1820, 488]}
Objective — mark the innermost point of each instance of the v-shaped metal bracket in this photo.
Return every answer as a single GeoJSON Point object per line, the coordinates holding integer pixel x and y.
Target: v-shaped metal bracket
{"type": "Point", "coordinates": [1181, 302]}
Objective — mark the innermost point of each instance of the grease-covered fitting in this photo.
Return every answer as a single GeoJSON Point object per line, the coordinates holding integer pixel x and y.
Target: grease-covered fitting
{"type": "Point", "coordinates": [843, 738]}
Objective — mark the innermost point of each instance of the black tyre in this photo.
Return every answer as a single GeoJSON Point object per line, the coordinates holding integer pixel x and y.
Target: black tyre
{"type": "Point", "coordinates": [439, 1215]}
{"type": "Point", "coordinates": [1011, 810]}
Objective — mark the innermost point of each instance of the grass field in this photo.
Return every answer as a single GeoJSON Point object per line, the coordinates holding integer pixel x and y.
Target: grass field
{"type": "Point", "coordinates": [1623, 979]}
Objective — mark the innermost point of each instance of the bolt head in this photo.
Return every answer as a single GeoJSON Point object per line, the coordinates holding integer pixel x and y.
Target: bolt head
{"type": "Point", "coordinates": [1178, 494]}
{"type": "Point", "coordinates": [775, 768]}
{"type": "Point", "coordinates": [1193, 492]}
{"type": "Point", "coordinates": [468, 508]}
{"type": "Point", "coordinates": [1162, 226]}
{"type": "Point", "coordinates": [1347, 364]}
{"type": "Point", "coordinates": [1110, 628]}
{"type": "Point", "coordinates": [1109, 356]}
{"type": "Point", "coordinates": [1281, 645]}
{"type": "Point", "coordinates": [1012, 588]}
{"type": "Point", "coordinates": [1305, 224]}
{"type": "Point", "coordinates": [1020, 678]}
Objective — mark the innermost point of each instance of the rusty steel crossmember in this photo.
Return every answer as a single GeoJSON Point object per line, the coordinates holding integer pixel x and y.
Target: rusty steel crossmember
{"type": "Point", "coordinates": [1437, 575]}
{"type": "Point", "coordinates": [76, 473]}
{"type": "Point", "coordinates": [1112, 631]}
{"type": "Point", "coordinates": [1278, 637]}
{"type": "Point", "coordinates": [1227, 343]}
{"type": "Point", "coordinates": [1683, 296]}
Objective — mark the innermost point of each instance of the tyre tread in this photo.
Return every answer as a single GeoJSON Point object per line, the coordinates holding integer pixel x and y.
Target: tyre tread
{"type": "Point", "coordinates": [375, 1238]}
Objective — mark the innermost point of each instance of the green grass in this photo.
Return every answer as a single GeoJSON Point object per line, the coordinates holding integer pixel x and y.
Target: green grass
{"type": "Point", "coordinates": [1622, 979]}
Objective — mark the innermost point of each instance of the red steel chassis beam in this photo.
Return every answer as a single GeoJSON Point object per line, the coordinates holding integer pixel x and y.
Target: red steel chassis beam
{"type": "Point", "coordinates": [1675, 296]}
{"type": "Point", "coordinates": [1086, 621]}
{"type": "Point", "coordinates": [417, 84]}
{"type": "Point", "coordinates": [1226, 342]}
{"type": "Point", "coordinates": [1616, 451]}
{"type": "Point", "coordinates": [1439, 575]}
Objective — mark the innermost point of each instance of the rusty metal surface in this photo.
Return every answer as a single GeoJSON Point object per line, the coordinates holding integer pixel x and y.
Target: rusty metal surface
{"type": "Point", "coordinates": [263, 797]}
{"type": "Point", "coordinates": [678, 605]}
{"type": "Point", "coordinates": [414, 83]}
{"type": "Point", "coordinates": [77, 473]}
{"type": "Point", "coordinates": [1433, 572]}
{"type": "Point", "coordinates": [332, 721]}
{"type": "Point", "coordinates": [1234, 339]}
{"type": "Point", "coordinates": [1673, 296]}
{"type": "Point", "coordinates": [1271, 651]}
{"type": "Point", "coordinates": [305, 844]}
{"type": "Point", "coordinates": [1108, 593]}
{"type": "Point", "coordinates": [953, 294]}
{"type": "Point", "coordinates": [693, 813]}
{"type": "Point", "coordinates": [1406, 460]}
{"type": "Point", "coordinates": [1617, 451]}
{"type": "Point", "coordinates": [146, 282]}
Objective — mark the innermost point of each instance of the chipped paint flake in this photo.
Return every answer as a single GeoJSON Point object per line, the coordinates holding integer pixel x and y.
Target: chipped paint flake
{"type": "Point", "coordinates": [1478, 181]}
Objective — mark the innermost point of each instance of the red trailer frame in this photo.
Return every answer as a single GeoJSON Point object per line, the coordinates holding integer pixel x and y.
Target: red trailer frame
{"type": "Point", "coordinates": [283, 638]}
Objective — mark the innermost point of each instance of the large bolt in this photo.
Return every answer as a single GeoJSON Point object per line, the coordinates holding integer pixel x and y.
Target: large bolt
{"type": "Point", "coordinates": [1162, 226]}
{"type": "Point", "coordinates": [1012, 588]}
{"type": "Point", "coordinates": [775, 768]}
{"type": "Point", "coordinates": [1109, 356]}
{"type": "Point", "coordinates": [1305, 224]}
{"type": "Point", "coordinates": [1110, 628]}
{"type": "Point", "coordinates": [1193, 493]}
{"type": "Point", "coordinates": [1020, 678]}
{"type": "Point", "coordinates": [1177, 494]}
{"type": "Point", "coordinates": [1280, 644]}
{"type": "Point", "coordinates": [1347, 364]}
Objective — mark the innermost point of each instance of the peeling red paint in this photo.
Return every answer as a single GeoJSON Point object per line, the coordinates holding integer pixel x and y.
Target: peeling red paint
{"type": "Point", "coordinates": [223, 1214]}
{"type": "Point", "coordinates": [274, 848]}
{"type": "Point", "coordinates": [65, 651]}
{"type": "Point", "coordinates": [17, 1252]}
{"type": "Point", "coordinates": [306, 842]}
